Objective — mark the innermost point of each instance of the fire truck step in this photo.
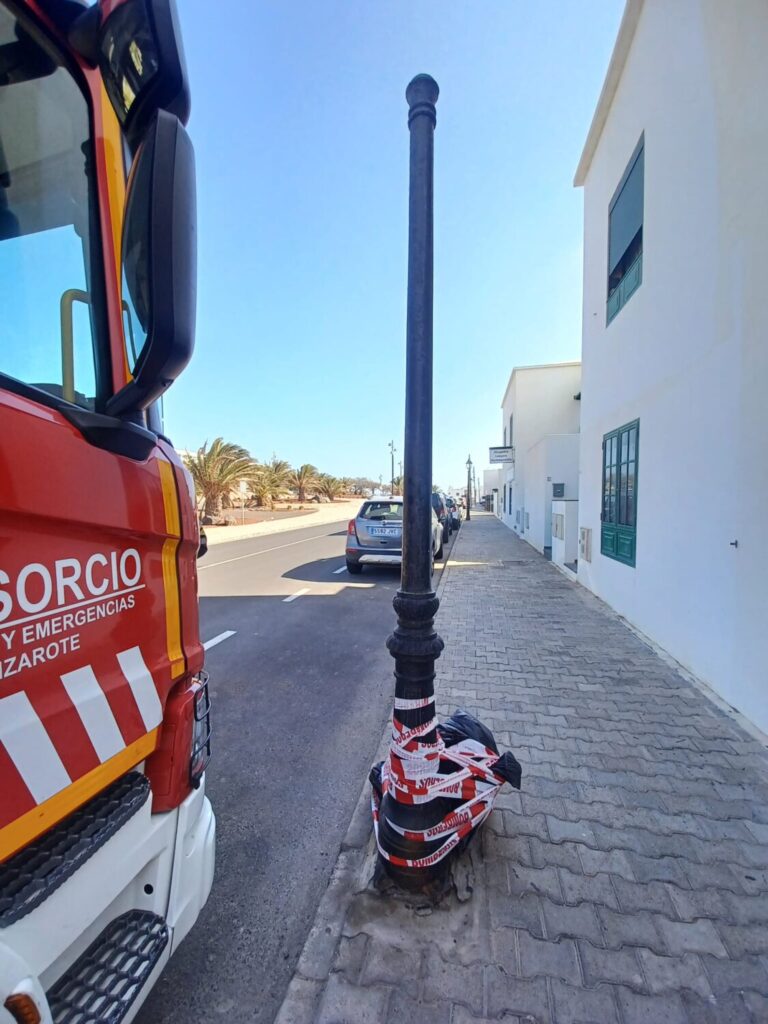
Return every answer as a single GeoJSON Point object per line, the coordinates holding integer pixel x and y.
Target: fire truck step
{"type": "Point", "coordinates": [30, 876]}
{"type": "Point", "coordinates": [101, 985]}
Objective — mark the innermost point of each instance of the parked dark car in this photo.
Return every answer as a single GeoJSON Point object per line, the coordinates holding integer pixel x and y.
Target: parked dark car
{"type": "Point", "coordinates": [441, 511]}
{"type": "Point", "coordinates": [454, 513]}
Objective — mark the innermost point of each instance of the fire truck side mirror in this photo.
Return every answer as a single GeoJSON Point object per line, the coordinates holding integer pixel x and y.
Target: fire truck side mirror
{"type": "Point", "coordinates": [160, 261]}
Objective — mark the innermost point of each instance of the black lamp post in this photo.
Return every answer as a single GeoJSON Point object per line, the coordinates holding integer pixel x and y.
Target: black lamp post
{"type": "Point", "coordinates": [414, 644]}
{"type": "Point", "coordinates": [469, 485]}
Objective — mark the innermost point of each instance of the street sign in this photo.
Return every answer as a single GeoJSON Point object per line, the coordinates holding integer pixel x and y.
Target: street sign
{"type": "Point", "coordinates": [506, 454]}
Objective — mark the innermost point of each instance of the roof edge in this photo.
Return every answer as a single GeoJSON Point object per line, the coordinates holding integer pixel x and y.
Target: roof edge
{"type": "Point", "coordinates": [629, 20]}
{"type": "Point", "coordinates": [535, 366]}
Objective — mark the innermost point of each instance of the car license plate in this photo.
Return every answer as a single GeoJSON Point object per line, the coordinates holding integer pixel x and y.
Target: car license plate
{"type": "Point", "coordinates": [384, 531]}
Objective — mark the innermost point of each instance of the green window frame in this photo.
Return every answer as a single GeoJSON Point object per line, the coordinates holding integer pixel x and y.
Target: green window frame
{"type": "Point", "coordinates": [618, 517]}
{"type": "Point", "coordinates": [625, 234]}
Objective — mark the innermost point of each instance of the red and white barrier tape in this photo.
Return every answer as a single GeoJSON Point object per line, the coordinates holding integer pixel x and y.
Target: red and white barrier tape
{"type": "Point", "coordinates": [410, 775]}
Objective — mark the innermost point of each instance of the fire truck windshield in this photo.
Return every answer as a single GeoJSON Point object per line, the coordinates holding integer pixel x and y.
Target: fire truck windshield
{"type": "Point", "coordinates": [48, 333]}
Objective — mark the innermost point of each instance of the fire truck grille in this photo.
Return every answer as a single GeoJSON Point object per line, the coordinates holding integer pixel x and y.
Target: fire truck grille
{"type": "Point", "coordinates": [29, 877]}
{"type": "Point", "coordinates": [102, 985]}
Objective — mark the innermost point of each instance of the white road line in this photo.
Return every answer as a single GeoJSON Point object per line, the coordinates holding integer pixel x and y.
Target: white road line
{"type": "Point", "coordinates": [253, 554]}
{"type": "Point", "coordinates": [218, 639]}
{"type": "Point", "coordinates": [287, 600]}
{"type": "Point", "coordinates": [337, 571]}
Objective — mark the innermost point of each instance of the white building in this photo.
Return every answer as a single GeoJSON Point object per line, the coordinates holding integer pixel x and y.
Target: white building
{"type": "Point", "coordinates": [674, 430]}
{"type": "Point", "coordinates": [540, 420]}
{"type": "Point", "coordinates": [492, 480]}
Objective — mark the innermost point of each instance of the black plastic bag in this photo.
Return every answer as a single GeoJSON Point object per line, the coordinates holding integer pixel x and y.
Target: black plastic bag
{"type": "Point", "coordinates": [463, 726]}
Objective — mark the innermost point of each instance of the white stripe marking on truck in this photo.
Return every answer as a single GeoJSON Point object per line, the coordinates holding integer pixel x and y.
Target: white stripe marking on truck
{"type": "Point", "coordinates": [30, 748]}
{"type": "Point", "coordinates": [94, 711]}
{"type": "Point", "coordinates": [142, 686]}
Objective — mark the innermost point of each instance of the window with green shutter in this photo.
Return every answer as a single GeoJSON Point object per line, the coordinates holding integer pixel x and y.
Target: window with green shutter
{"type": "Point", "coordinates": [625, 234]}
{"type": "Point", "coordinates": [618, 532]}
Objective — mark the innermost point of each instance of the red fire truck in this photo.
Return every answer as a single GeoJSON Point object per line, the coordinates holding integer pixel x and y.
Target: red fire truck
{"type": "Point", "coordinates": [106, 836]}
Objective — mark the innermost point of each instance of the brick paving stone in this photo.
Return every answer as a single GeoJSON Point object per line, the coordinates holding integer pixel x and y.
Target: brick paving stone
{"type": "Point", "coordinates": [516, 912]}
{"type": "Point", "coordinates": [405, 1010]}
{"type": "Point", "coordinates": [554, 959]}
{"type": "Point", "coordinates": [577, 831]}
{"type": "Point", "coordinates": [520, 996]}
{"type": "Point", "coordinates": [634, 896]}
{"type": "Point", "coordinates": [730, 1008]}
{"type": "Point", "coordinates": [660, 869]}
{"type": "Point", "coordinates": [543, 881]}
{"type": "Point", "coordinates": [583, 1006]}
{"type": "Point", "coordinates": [391, 965]}
{"type": "Point", "coordinates": [579, 922]}
{"type": "Point", "coordinates": [690, 937]}
{"type": "Point", "coordinates": [559, 855]}
{"type": "Point", "coordinates": [730, 975]}
{"type": "Point", "coordinates": [690, 904]}
{"type": "Point", "coordinates": [745, 940]}
{"type": "Point", "coordinates": [343, 1003]}
{"type": "Point", "coordinates": [672, 973]}
{"type": "Point", "coordinates": [350, 956]}
{"type": "Point", "coordinates": [629, 930]}
{"type": "Point", "coordinates": [627, 880]}
{"type": "Point", "coordinates": [452, 981]}
{"type": "Point", "coordinates": [461, 1015]}
{"type": "Point", "coordinates": [589, 888]}
{"type": "Point", "coordinates": [641, 1009]}
{"type": "Point", "coordinates": [614, 862]}
{"type": "Point", "coordinates": [618, 966]}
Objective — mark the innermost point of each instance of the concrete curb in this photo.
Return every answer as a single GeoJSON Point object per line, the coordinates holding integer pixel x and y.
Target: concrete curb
{"type": "Point", "coordinates": [314, 964]}
{"type": "Point", "coordinates": [324, 515]}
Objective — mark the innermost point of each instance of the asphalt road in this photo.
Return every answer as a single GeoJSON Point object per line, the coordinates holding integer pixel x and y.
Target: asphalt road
{"type": "Point", "coordinates": [301, 687]}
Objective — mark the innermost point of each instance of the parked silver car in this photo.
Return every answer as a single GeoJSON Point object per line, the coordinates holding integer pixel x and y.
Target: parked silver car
{"type": "Point", "coordinates": [375, 535]}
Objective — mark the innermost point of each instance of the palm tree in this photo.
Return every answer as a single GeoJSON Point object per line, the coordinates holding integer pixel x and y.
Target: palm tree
{"type": "Point", "coordinates": [269, 481]}
{"type": "Point", "coordinates": [279, 472]}
{"type": "Point", "coordinates": [218, 470]}
{"type": "Point", "coordinates": [330, 486]}
{"type": "Point", "coordinates": [261, 487]}
{"type": "Point", "coordinates": [303, 479]}
{"type": "Point", "coordinates": [397, 485]}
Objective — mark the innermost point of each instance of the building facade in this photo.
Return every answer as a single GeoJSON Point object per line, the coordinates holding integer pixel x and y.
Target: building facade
{"type": "Point", "coordinates": [673, 487]}
{"type": "Point", "coordinates": [540, 420]}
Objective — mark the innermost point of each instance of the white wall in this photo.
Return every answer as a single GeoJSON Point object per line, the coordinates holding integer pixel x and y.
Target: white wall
{"type": "Point", "coordinates": [688, 353]}
{"type": "Point", "coordinates": [540, 400]}
{"type": "Point", "coordinates": [554, 459]}
{"type": "Point", "coordinates": [565, 550]}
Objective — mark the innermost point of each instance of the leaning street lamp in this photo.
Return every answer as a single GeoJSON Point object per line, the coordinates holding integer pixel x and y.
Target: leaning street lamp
{"type": "Point", "coordinates": [439, 781]}
{"type": "Point", "coordinates": [469, 485]}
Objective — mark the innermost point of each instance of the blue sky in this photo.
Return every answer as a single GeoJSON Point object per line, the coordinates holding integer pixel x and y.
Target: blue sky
{"type": "Point", "coordinates": [299, 124]}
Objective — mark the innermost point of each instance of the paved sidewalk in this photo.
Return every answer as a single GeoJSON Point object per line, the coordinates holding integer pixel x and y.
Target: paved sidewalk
{"type": "Point", "coordinates": [627, 883]}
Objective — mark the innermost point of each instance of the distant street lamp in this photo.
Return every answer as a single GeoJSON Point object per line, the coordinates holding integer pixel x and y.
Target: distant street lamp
{"type": "Point", "coordinates": [392, 451]}
{"type": "Point", "coordinates": [469, 485]}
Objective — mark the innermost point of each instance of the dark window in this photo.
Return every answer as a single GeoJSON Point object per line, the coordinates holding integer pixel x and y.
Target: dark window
{"type": "Point", "coordinates": [48, 225]}
{"type": "Point", "coordinates": [382, 510]}
{"type": "Point", "coordinates": [625, 234]}
{"type": "Point", "coordinates": [505, 497]}
{"type": "Point", "coordinates": [618, 532]}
